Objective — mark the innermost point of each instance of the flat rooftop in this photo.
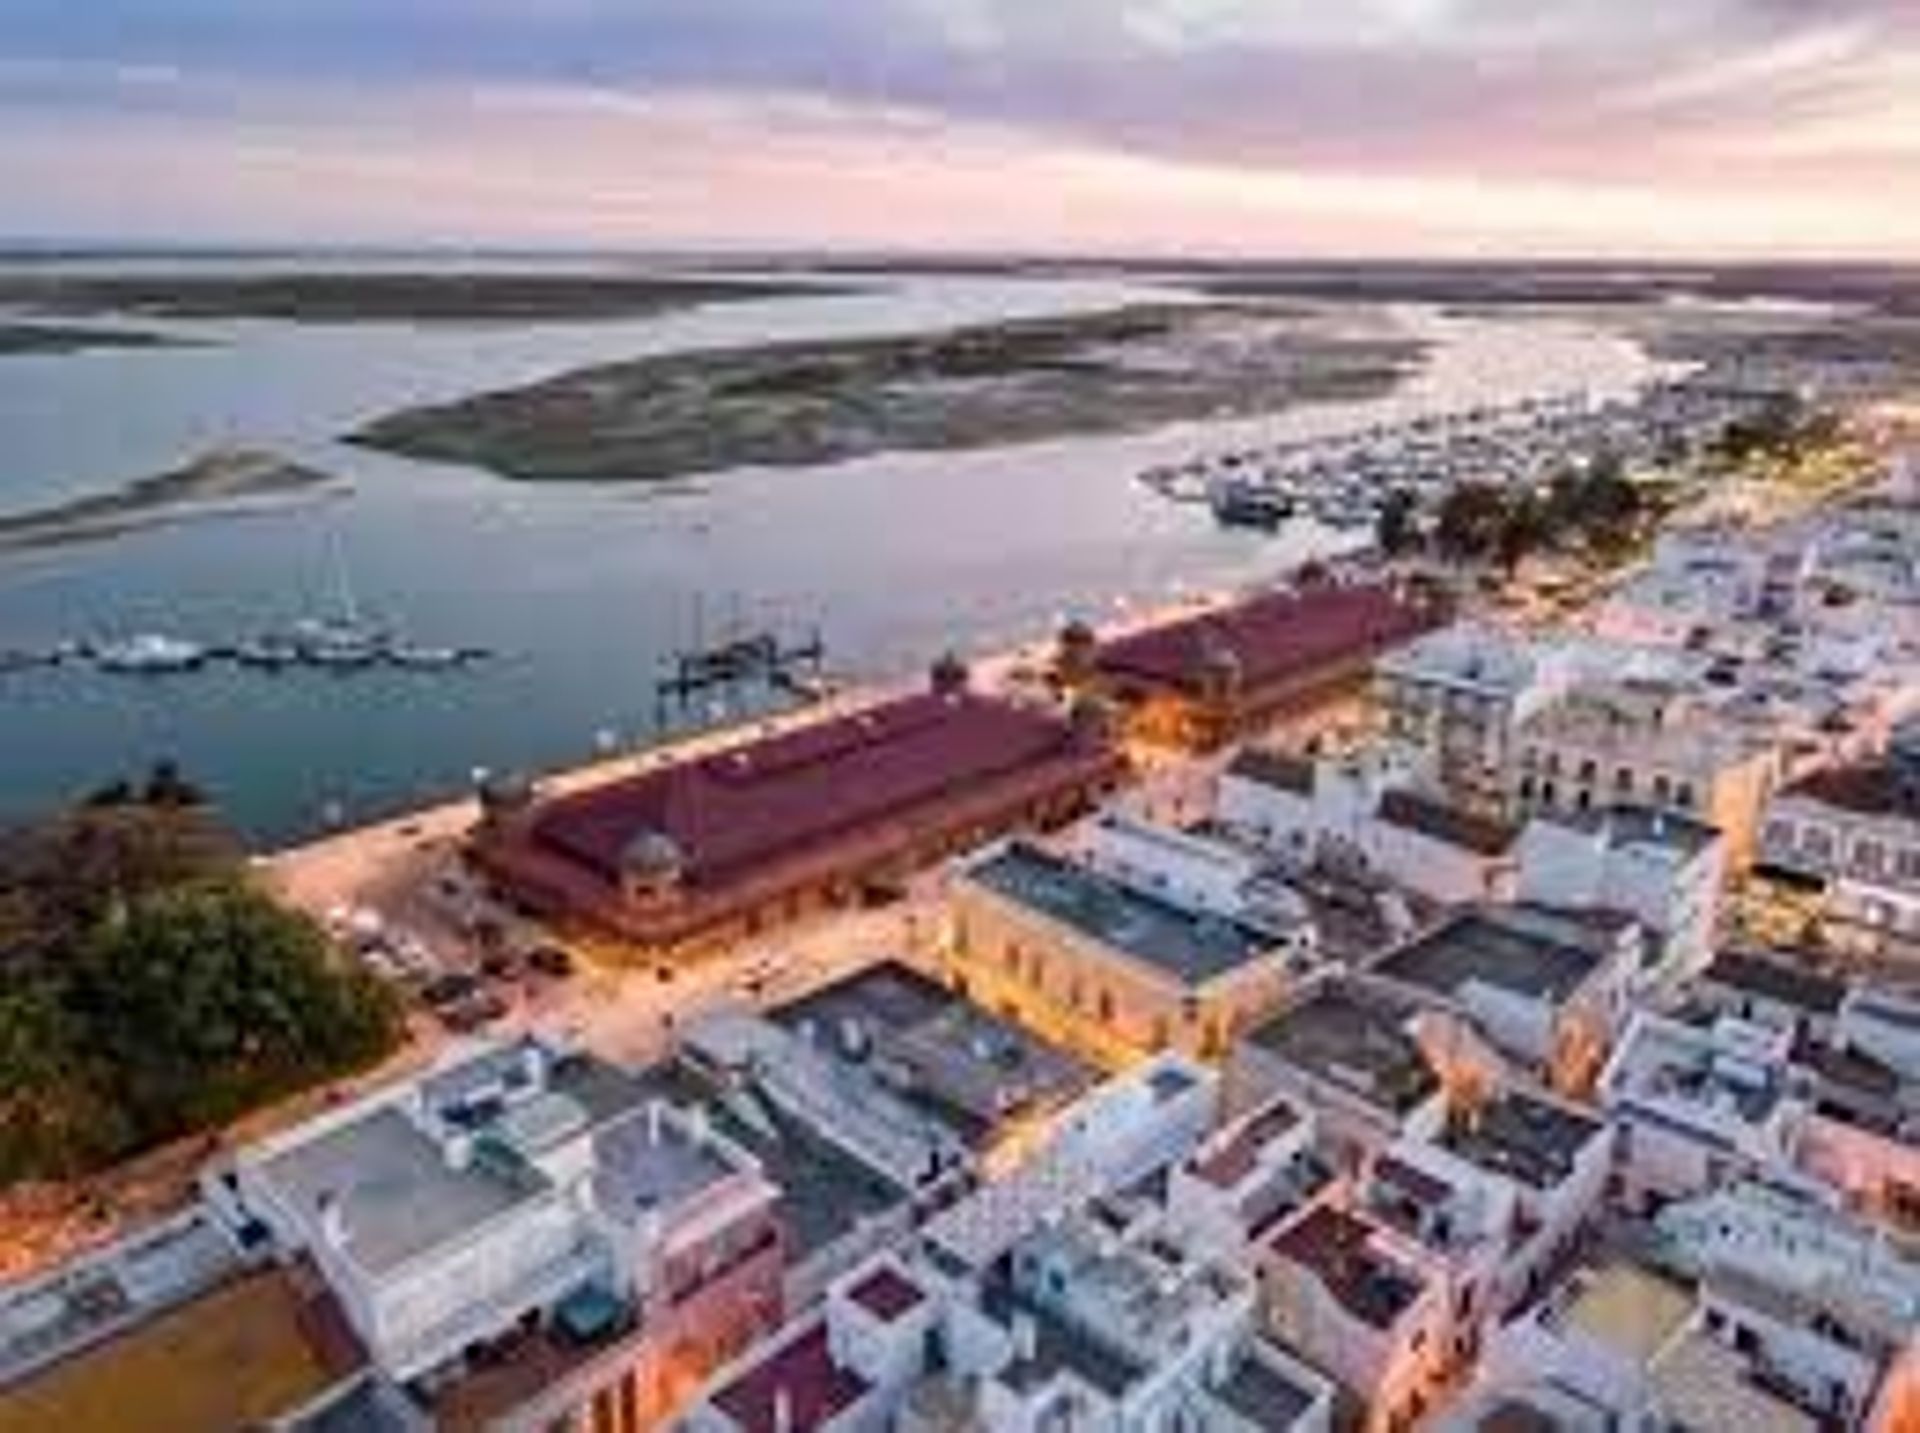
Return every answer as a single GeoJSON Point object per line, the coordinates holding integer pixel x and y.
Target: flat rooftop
{"type": "Point", "coordinates": [397, 1193]}
{"type": "Point", "coordinates": [1411, 811]}
{"type": "Point", "coordinates": [1627, 1308]}
{"type": "Point", "coordinates": [795, 1385]}
{"type": "Point", "coordinates": [1268, 1391]}
{"type": "Point", "coordinates": [947, 1056]}
{"type": "Point", "coordinates": [824, 1192]}
{"type": "Point", "coordinates": [1523, 1137]}
{"type": "Point", "coordinates": [741, 809]}
{"type": "Point", "coordinates": [649, 1161]}
{"type": "Point", "coordinates": [1864, 790]}
{"type": "Point", "coordinates": [1193, 949]}
{"type": "Point", "coordinates": [1475, 948]}
{"type": "Point", "coordinates": [1354, 1040]}
{"type": "Point", "coordinates": [1642, 826]}
{"type": "Point", "coordinates": [234, 1357]}
{"type": "Point", "coordinates": [1335, 1246]}
{"type": "Point", "coordinates": [1280, 770]}
{"type": "Point", "coordinates": [1774, 978]}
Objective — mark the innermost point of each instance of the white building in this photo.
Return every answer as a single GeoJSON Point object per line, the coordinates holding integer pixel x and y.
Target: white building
{"type": "Point", "coordinates": [1856, 831]}
{"type": "Point", "coordinates": [1369, 815]}
{"type": "Point", "coordinates": [1545, 988]}
{"type": "Point", "coordinates": [1822, 1302]}
{"type": "Point", "coordinates": [1694, 1106]}
{"type": "Point", "coordinates": [1622, 1347]}
{"type": "Point", "coordinates": [445, 1211]}
{"type": "Point", "coordinates": [1552, 1158]}
{"type": "Point", "coordinates": [1666, 871]}
{"type": "Point", "coordinates": [1455, 697]}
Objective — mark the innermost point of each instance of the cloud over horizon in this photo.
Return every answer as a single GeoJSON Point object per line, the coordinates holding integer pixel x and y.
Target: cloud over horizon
{"type": "Point", "coordinates": [1378, 126]}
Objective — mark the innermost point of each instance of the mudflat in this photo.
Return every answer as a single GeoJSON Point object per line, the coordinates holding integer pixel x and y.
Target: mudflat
{"type": "Point", "coordinates": [802, 404]}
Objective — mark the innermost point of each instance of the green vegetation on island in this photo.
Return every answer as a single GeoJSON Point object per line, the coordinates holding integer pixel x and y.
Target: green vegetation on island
{"type": "Point", "coordinates": [151, 989]}
{"type": "Point", "coordinates": [808, 403]}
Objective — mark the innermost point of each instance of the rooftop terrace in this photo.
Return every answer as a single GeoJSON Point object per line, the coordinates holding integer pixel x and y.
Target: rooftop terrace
{"type": "Point", "coordinates": [1193, 949]}
{"type": "Point", "coordinates": [236, 1356]}
{"type": "Point", "coordinates": [1476, 948]}
{"type": "Point", "coordinates": [1348, 1037]}
{"type": "Point", "coordinates": [397, 1194]}
{"type": "Point", "coordinates": [1523, 1137]}
{"type": "Point", "coordinates": [1338, 1249]}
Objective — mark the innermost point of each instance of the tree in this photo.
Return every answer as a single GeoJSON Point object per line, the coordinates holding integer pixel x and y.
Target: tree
{"type": "Point", "coordinates": [148, 988]}
{"type": "Point", "coordinates": [206, 999]}
{"type": "Point", "coordinates": [1469, 523]}
{"type": "Point", "coordinates": [1397, 528]}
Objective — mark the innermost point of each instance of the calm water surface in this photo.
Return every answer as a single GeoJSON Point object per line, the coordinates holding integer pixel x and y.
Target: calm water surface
{"type": "Point", "coordinates": [581, 591]}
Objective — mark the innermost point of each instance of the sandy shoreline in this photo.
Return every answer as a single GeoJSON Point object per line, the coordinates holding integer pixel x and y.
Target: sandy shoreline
{"type": "Point", "coordinates": [224, 481]}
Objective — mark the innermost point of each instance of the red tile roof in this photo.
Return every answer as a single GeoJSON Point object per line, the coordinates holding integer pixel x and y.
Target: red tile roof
{"type": "Point", "coordinates": [1277, 636]}
{"type": "Point", "coordinates": [740, 809]}
{"type": "Point", "coordinates": [885, 1294]}
{"type": "Point", "coordinates": [816, 1389]}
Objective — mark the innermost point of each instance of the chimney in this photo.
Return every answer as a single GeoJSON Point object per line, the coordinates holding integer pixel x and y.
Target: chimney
{"type": "Point", "coordinates": [1026, 1337]}
{"type": "Point", "coordinates": [333, 1221]}
{"type": "Point", "coordinates": [782, 1411]}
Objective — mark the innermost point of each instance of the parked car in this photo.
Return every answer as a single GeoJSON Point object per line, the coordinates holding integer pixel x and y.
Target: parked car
{"type": "Point", "coordinates": [472, 1012]}
{"type": "Point", "coordinates": [448, 990]}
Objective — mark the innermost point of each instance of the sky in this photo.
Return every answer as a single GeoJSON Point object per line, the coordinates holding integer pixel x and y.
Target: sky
{"type": "Point", "coordinates": [1454, 128]}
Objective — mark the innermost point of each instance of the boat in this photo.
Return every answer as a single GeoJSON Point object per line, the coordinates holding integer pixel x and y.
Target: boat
{"type": "Point", "coordinates": [269, 653]}
{"type": "Point", "coordinates": [148, 653]}
{"type": "Point", "coordinates": [1248, 504]}
{"type": "Point", "coordinates": [426, 659]}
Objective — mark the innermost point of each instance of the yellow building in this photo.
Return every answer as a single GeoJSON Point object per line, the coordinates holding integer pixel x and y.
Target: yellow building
{"type": "Point", "coordinates": [1113, 970]}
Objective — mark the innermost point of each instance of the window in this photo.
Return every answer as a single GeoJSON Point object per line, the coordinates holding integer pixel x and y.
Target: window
{"type": "Point", "coordinates": [1870, 857]}
{"type": "Point", "coordinates": [1526, 788]}
{"type": "Point", "coordinates": [1623, 780]}
{"type": "Point", "coordinates": [1105, 1007]}
{"type": "Point", "coordinates": [1662, 789]}
{"type": "Point", "coordinates": [1589, 771]}
{"type": "Point", "coordinates": [1684, 797]}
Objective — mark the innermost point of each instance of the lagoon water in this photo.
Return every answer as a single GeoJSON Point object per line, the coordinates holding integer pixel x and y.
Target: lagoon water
{"type": "Point", "coordinates": [582, 591]}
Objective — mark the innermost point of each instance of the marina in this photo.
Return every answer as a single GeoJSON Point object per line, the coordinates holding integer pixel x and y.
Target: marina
{"type": "Point", "coordinates": [320, 645]}
{"type": "Point", "coordinates": [1343, 479]}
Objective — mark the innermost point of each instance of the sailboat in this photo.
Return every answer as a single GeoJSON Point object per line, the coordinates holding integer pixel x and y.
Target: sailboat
{"type": "Point", "coordinates": [342, 641]}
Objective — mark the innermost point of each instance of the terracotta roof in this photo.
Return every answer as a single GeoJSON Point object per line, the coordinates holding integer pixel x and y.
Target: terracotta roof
{"type": "Point", "coordinates": [802, 1371]}
{"type": "Point", "coordinates": [885, 1294]}
{"type": "Point", "coordinates": [1413, 812]}
{"type": "Point", "coordinates": [1275, 636]}
{"type": "Point", "coordinates": [744, 807]}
